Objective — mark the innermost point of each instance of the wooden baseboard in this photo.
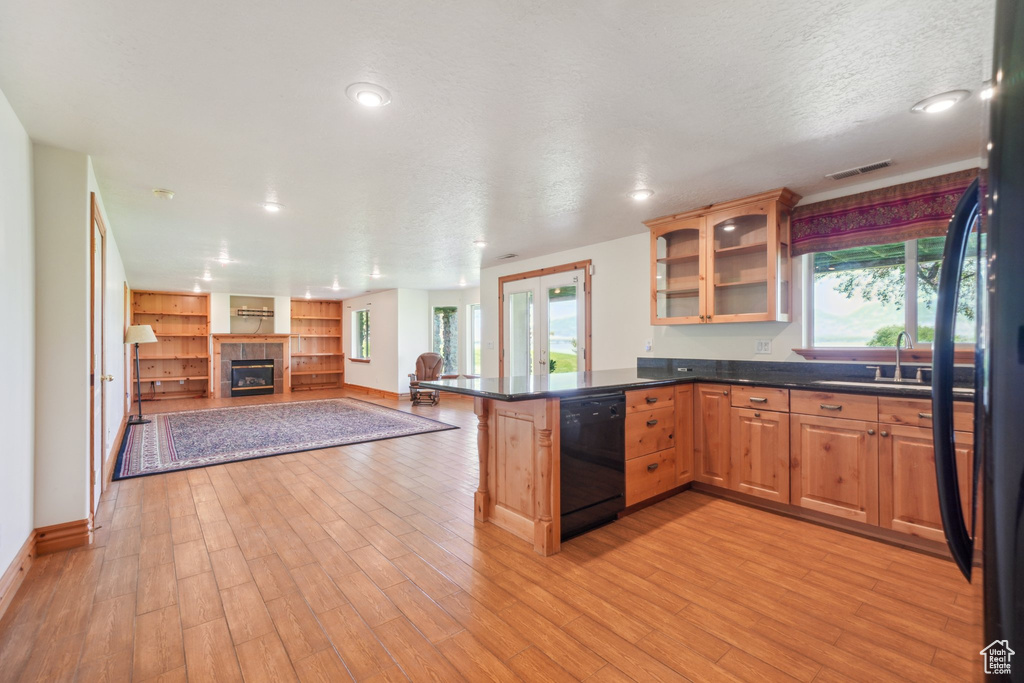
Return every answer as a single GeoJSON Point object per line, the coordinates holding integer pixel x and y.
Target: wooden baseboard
{"type": "Point", "coordinates": [380, 393]}
{"type": "Point", "coordinates": [50, 539]}
{"type": "Point", "coordinates": [108, 464]}
{"type": "Point", "coordinates": [16, 572]}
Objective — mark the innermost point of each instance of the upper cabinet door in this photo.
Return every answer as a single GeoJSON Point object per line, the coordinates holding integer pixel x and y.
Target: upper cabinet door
{"type": "Point", "coordinates": [678, 254]}
{"type": "Point", "coordinates": [741, 249]}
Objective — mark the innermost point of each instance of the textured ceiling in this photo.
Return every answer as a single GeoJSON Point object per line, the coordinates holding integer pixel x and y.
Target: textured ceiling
{"type": "Point", "coordinates": [523, 123]}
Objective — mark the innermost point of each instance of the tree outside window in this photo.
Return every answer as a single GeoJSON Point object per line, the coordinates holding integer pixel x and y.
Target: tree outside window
{"type": "Point", "coordinates": [361, 334]}
{"type": "Point", "coordinates": [446, 337]}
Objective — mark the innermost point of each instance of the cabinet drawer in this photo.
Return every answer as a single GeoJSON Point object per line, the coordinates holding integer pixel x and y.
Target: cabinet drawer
{"type": "Point", "coordinates": [649, 399]}
{"type": "Point", "coordinates": [846, 406]}
{"type": "Point", "coordinates": [650, 431]}
{"type": "Point", "coordinates": [650, 475]}
{"type": "Point", "coordinates": [761, 398]}
{"type": "Point", "coordinates": [915, 412]}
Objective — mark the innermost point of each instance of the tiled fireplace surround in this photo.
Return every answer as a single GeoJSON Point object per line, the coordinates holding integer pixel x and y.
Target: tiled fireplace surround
{"type": "Point", "coordinates": [251, 351]}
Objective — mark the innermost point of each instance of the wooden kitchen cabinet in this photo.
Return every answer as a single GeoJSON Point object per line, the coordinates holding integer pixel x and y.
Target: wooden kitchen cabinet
{"type": "Point", "coordinates": [834, 466]}
{"type": "Point", "coordinates": [728, 262]}
{"type": "Point", "coordinates": [712, 425]}
{"type": "Point", "coordinates": [760, 454]}
{"type": "Point", "coordinates": [908, 492]}
{"type": "Point", "coordinates": [684, 433]}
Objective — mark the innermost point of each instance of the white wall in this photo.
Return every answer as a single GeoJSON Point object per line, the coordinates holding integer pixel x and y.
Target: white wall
{"type": "Point", "coordinates": [454, 297]}
{"type": "Point", "coordinates": [60, 179]}
{"type": "Point", "coordinates": [220, 313]}
{"type": "Point", "coordinates": [382, 370]}
{"type": "Point", "coordinates": [413, 333]}
{"type": "Point", "coordinates": [115, 352]}
{"type": "Point", "coordinates": [17, 343]}
{"type": "Point", "coordinates": [621, 295]}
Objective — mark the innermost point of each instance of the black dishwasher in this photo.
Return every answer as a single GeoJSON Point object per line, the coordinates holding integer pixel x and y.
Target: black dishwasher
{"type": "Point", "coordinates": [593, 461]}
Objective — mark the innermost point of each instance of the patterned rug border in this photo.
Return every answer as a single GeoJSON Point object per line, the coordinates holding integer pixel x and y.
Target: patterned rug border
{"type": "Point", "coordinates": [116, 476]}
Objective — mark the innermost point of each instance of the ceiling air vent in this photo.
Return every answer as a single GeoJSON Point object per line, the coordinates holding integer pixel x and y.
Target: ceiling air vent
{"type": "Point", "coordinates": [506, 257]}
{"type": "Point", "coordinates": [860, 170]}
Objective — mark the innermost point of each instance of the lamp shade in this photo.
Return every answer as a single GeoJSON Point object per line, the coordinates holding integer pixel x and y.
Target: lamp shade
{"type": "Point", "coordinates": [139, 334]}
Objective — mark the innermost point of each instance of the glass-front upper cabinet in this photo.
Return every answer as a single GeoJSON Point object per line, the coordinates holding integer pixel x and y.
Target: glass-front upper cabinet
{"type": "Point", "coordinates": [677, 278]}
{"type": "Point", "coordinates": [729, 262]}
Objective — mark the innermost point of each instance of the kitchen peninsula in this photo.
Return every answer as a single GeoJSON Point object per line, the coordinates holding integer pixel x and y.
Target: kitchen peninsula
{"type": "Point", "coordinates": [823, 441]}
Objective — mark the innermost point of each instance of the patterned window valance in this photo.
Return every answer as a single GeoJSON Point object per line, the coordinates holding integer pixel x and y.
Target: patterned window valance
{"type": "Point", "coordinates": [921, 208]}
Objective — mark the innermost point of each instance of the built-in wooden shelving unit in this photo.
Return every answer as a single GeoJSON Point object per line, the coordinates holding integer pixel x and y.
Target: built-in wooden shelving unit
{"type": "Point", "coordinates": [178, 364]}
{"type": "Point", "coordinates": [316, 351]}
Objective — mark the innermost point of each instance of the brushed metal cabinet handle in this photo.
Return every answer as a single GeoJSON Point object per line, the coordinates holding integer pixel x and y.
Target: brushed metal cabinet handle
{"type": "Point", "coordinates": [925, 416]}
{"type": "Point", "coordinates": [758, 399]}
{"type": "Point", "coordinates": [885, 433]}
{"type": "Point", "coordinates": [756, 414]}
{"type": "Point", "coordinates": [831, 406]}
{"type": "Point", "coordinates": [651, 399]}
{"type": "Point", "coordinates": [651, 423]}
{"type": "Point", "coordinates": [725, 392]}
{"type": "Point", "coordinates": [652, 467]}
{"type": "Point", "coordinates": [871, 432]}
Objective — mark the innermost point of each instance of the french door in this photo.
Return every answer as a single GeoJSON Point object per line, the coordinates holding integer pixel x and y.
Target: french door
{"type": "Point", "coordinates": [98, 376]}
{"type": "Point", "coordinates": [544, 328]}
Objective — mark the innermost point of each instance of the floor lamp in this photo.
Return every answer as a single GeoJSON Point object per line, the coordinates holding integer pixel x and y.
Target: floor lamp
{"type": "Point", "coordinates": [138, 334]}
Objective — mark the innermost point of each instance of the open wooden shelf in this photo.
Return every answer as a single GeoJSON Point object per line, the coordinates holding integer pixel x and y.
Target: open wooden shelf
{"type": "Point", "coordinates": [742, 249]}
{"type": "Point", "coordinates": [176, 313]}
{"type": "Point", "coordinates": [316, 343]}
{"type": "Point", "coordinates": [669, 260]}
{"type": "Point", "coordinates": [173, 379]}
{"type": "Point", "coordinates": [181, 323]}
{"type": "Point", "coordinates": [742, 283]}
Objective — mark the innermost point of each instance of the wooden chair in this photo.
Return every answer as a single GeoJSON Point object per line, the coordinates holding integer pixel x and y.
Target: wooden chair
{"type": "Point", "coordinates": [428, 369]}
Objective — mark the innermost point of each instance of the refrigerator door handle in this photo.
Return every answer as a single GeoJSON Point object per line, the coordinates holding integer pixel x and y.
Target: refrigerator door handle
{"type": "Point", "coordinates": [961, 545]}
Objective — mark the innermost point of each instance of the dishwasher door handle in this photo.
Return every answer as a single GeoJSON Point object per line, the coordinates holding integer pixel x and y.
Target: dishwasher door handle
{"type": "Point", "coordinates": [651, 423]}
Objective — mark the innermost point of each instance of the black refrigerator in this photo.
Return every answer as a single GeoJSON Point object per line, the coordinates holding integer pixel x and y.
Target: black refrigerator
{"type": "Point", "coordinates": [990, 219]}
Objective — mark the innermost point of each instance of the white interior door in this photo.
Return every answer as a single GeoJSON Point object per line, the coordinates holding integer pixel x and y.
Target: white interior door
{"type": "Point", "coordinates": [544, 325]}
{"type": "Point", "coordinates": [97, 364]}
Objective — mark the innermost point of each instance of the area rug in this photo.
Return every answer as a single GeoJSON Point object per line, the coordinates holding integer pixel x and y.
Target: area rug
{"type": "Point", "coordinates": [200, 438]}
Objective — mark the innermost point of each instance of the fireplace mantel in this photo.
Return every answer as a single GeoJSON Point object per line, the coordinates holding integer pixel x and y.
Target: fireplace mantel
{"type": "Point", "coordinates": [283, 359]}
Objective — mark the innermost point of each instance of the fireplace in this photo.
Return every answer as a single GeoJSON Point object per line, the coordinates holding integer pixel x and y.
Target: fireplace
{"type": "Point", "coordinates": [252, 377]}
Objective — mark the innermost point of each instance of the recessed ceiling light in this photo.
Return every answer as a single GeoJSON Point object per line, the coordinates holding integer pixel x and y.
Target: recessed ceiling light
{"type": "Point", "coordinates": [223, 258]}
{"type": "Point", "coordinates": [987, 91]}
{"type": "Point", "coordinates": [368, 94]}
{"type": "Point", "coordinates": [941, 102]}
{"type": "Point", "coordinates": [197, 289]}
{"type": "Point", "coordinates": [206, 276]}
{"type": "Point", "coordinates": [163, 194]}
{"type": "Point", "coordinates": [729, 227]}
{"type": "Point", "coordinates": [480, 243]}
{"type": "Point", "coordinates": [335, 286]}
{"type": "Point", "coordinates": [375, 275]}
{"type": "Point", "coordinates": [308, 294]}
{"type": "Point", "coordinates": [641, 195]}
{"type": "Point", "coordinates": [272, 207]}
{"type": "Point", "coordinates": [462, 282]}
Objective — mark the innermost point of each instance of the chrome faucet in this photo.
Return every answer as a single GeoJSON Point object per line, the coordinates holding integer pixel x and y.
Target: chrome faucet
{"type": "Point", "coordinates": [898, 376]}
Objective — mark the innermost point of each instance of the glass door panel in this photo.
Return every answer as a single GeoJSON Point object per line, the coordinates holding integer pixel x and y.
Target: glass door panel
{"type": "Point", "coordinates": [564, 326]}
{"type": "Point", "coordinates": [739, 257]}
{"type": "Point", "coordinates": [677, 273]}
{"type": "Point", "coordinates": [519, 332]}
{"type": "Point", "coordinates": [782, 295]}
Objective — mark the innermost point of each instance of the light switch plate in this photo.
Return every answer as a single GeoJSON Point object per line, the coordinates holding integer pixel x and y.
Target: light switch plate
{"type": "Point", "coordinates": [490, 345]}
{"type": "Point", "coordinates": [648, 345]}
{"type": "Point", "coordinates": [763, 346]}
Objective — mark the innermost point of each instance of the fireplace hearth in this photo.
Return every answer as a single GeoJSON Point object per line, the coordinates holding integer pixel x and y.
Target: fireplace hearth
{"type": "Point", "coordinates": [252, 377]}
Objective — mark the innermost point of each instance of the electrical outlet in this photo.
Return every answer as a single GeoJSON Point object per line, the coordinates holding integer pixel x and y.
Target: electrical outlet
{"type": "Point", "coordinates": [490, 345]}
{"type": "Point", "coordinates": [763, 346]}
{"type": "Point", "coordinates": [648, 345]}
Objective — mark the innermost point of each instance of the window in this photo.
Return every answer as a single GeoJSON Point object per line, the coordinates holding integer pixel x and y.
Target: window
{"type": "Point", "coordinates": [361, 334]}
{"type": "Point", "coordinates": [473, 363]}
{"type": "Point", "coordinates": [446, 337]}
{"type": "Point", "coordinates": [862, 296]}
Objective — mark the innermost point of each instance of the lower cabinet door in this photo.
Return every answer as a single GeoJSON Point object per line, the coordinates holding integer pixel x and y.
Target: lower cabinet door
{"type": "Point", "coordinates": [908, 491]}
{"type": "Point", "coordinates": [834, 466]}
{"type": "Point", "coordinates": [684, 433]}
{"type": "Point", "coordinates": [760, 454]}
{"type": "Point", "coordinates": [650, 475]}
{"type": "Point", "coordinates": [712, 408]}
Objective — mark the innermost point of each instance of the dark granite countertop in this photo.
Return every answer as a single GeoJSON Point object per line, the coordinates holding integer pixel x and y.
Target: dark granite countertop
{"type": "Point", "coordinates": [832, 377]}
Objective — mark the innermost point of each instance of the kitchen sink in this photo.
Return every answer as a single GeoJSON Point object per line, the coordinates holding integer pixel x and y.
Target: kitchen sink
{"type": "Point", "coordinates": [923, 388]}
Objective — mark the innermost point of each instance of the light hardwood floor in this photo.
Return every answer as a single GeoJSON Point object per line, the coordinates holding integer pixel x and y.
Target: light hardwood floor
{"type": "Point", "coordinates": [364, 562]}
